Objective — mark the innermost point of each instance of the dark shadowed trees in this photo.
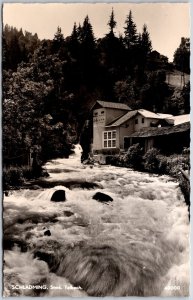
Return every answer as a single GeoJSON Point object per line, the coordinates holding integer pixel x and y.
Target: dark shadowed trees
{"type": "Point", "coordinates": [182, 56]}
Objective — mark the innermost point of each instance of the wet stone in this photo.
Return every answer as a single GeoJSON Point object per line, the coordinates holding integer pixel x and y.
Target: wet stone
{"type": "Point", "coordinates": [59, 196]}
{"type": "Point", "coordinates": [101, 197]}
{"type": "Point", "coordinates": [47, 232]}
{"type": "Point", "coordinates": [68, 213]}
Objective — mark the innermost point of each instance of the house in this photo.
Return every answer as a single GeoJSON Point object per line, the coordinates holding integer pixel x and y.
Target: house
{"type": "Point", "coordinates": [116, 127]}
{"type": "Point", "coordinates": [105, 113]}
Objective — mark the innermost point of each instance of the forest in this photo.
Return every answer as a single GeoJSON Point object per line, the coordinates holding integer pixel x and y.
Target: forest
{"type": "Point", "coordinates": [49, 86]}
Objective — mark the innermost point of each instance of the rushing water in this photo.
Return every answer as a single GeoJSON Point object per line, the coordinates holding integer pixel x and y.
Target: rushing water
{"type": "Point", "coordinates": [136, 245]}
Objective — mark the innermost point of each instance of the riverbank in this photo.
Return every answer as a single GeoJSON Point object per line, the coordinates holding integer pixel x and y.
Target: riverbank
{"type": "Point", "coordinates": [17, 177]}
{"type": "Point", "coordinates": [175, 165]}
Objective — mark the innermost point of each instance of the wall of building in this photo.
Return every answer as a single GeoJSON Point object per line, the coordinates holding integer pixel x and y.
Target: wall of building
{"type": "Point", "coordinates": [147, 122]}
{"type": "Point", "coordinates": [99, 119]}
{"type": "Point", "coordinates": [130, 126]}
{"type": "Point", "coordinates": [125, 130]}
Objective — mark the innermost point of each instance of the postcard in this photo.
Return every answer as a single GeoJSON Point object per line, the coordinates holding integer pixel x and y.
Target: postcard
{"type": "Point", "coordinates": [96, 149]}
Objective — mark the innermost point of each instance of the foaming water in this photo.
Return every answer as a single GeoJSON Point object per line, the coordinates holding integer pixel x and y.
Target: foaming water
{"type": "Point", "coordinates": [136, 245]}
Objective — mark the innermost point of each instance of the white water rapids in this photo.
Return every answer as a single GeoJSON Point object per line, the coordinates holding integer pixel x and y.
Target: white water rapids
{"type": "Point", "coordinates": [138, 245]}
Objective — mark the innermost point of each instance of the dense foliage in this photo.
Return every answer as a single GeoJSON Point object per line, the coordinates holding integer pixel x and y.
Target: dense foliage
{"type": "Point", "coordinates": [182, 56]}
{"type": "Point", "coordinates": [49, 86]}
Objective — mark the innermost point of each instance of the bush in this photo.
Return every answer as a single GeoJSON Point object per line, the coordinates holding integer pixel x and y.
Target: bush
{"type": "Point", "coordinates": [151, 161]}
{"type": "Point", "coordinates": [176, 162]}
{"type": "Point", "coordinates": [12, 177]}
{"type": "Point", "coordinates": [133, 157]}
{"type": "Point", "coordinates": [27, 172]}
{"type": "Point", "coordinates": [163, 164]}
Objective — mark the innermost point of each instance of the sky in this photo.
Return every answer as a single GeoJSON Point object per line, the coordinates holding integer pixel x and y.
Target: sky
{"type": "Point", "coordinates": [166, 22]}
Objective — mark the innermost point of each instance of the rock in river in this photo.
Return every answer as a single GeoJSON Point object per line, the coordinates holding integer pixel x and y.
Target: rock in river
{"type": "Point", "coordinates": [101, 197]}
{"type": "Point", "coordinates": [59, 196]}
{"type": "Point", "coordinates": [47, 232]}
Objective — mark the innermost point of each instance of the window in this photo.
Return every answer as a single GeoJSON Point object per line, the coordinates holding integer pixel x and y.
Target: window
{"type": "Point", "coordinates": [102, 112]}
{"type": "Point", "coordinates": [142, 120]}
{"type": "Point", "coordinates": [113, 143]}
{"type": "Point", "coordinates": [96, 114]}
{"type": "Point", "coordinates": [136, 121]}
{"type": "Point", "coordinates": [109, 139]}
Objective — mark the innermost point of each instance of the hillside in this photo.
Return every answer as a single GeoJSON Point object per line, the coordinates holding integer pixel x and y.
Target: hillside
{"type": "Point", "coordinates": [177, 79]}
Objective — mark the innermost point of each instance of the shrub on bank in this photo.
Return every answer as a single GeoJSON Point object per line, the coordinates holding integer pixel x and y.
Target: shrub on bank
{"type": "Point", "coordinates": [134, 156]}
{"type": "Point", "coordinates": [171, 165]}
{"type": "Point", "coordinates": [12, 177]}
{"type": "Point", "coordinates": [15, 176]}
{"type": "Point", "coordinates": [151, 161]}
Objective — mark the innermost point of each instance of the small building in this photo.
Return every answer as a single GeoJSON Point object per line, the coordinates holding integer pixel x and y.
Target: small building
{"type": "Point", "coordinates": [167, 140]}
{"type": "Point", "coordinates": [116, 127]}
{"type": "Point", "coordinates": [104, 113]}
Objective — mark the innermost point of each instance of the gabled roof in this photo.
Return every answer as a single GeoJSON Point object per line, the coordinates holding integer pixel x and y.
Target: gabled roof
{"type": "Point", "coordinates": [165, 115]}
{"type": "Point", "coordinates": [180, 119]}
{"type": "Point", "coordinates": [158, 131]}
{"type": "Point", "coordinates": [145, 113]}
{"type": "Point", "coordinates": [123, 119]}
{"type": "Point", "coordinates": [114, 105]}
{"type": "Point", "coordinates": [149, 114]}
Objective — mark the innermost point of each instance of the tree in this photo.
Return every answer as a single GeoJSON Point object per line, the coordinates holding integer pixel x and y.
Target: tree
{"type": "Point", "coordinates": [112, 23]}
{"type": "Point", "coordinates": [131, 44]}
{"type": "Point", "coordinates": [145, 41]}
{"type": "Point", "coordinates": [111, 59]}
{"type": "Point", "coordinates": [35, 113]}
{"type": "Point", "coordinates": [88, 54]}
{"type": "Point", "coordinates": [17, 47]}
{"type": "Point", "coordinates": [86, 33]}
{"type": "Point", "coordinates": [73, 42]}
{"type": "Point", "coordinates": [127, 92]}
{"type": "Point", "coordinates": [58, 41]}
{"type": "Point", "coordinates": [74, 35]}
{"type": "Point", "coordinates": [130, 32]}
{"type": "Point", "coordinates": [182, 56]}
{"type": "Point", "coordinates": [58, 36]}
{"type": "Point", "coordinates": [155, 92]}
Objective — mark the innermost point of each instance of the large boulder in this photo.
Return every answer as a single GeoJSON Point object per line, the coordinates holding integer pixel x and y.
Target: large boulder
{"type": "Point", "coordinates": [101, 197]}
{"type": "Point", "coordinates": [59, 196]}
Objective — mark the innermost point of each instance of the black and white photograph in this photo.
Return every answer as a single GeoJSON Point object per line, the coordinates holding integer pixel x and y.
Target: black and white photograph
{"type": "Point", "coordinates": [96, 149]}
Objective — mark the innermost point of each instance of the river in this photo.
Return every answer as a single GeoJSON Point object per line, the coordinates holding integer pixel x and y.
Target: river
{"type": "Point", "coordinates": [136, 245]}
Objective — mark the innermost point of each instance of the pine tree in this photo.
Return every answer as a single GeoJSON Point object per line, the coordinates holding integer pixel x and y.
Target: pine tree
{"type": "Point", "coordinates": [87, 36]}
{"type": "Point", "coordinates": [130, 32]}
{"type": "Point", "coordinates": [73, 43]}
{"type": "Point", "coordinates": [58, 35]}
{"type": "Point", "coordinates": [112, 23]}
{"type": "Point", "coordinates": [79, 30]}
{"type": "Point", "coordinates": [88, 55]}
{"type": "Point", "coordinates": [145, 41]}
{"type": "Point", "coordinates": [58, 41]}
{"type": "Point", "coordinates": [74, 35]}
